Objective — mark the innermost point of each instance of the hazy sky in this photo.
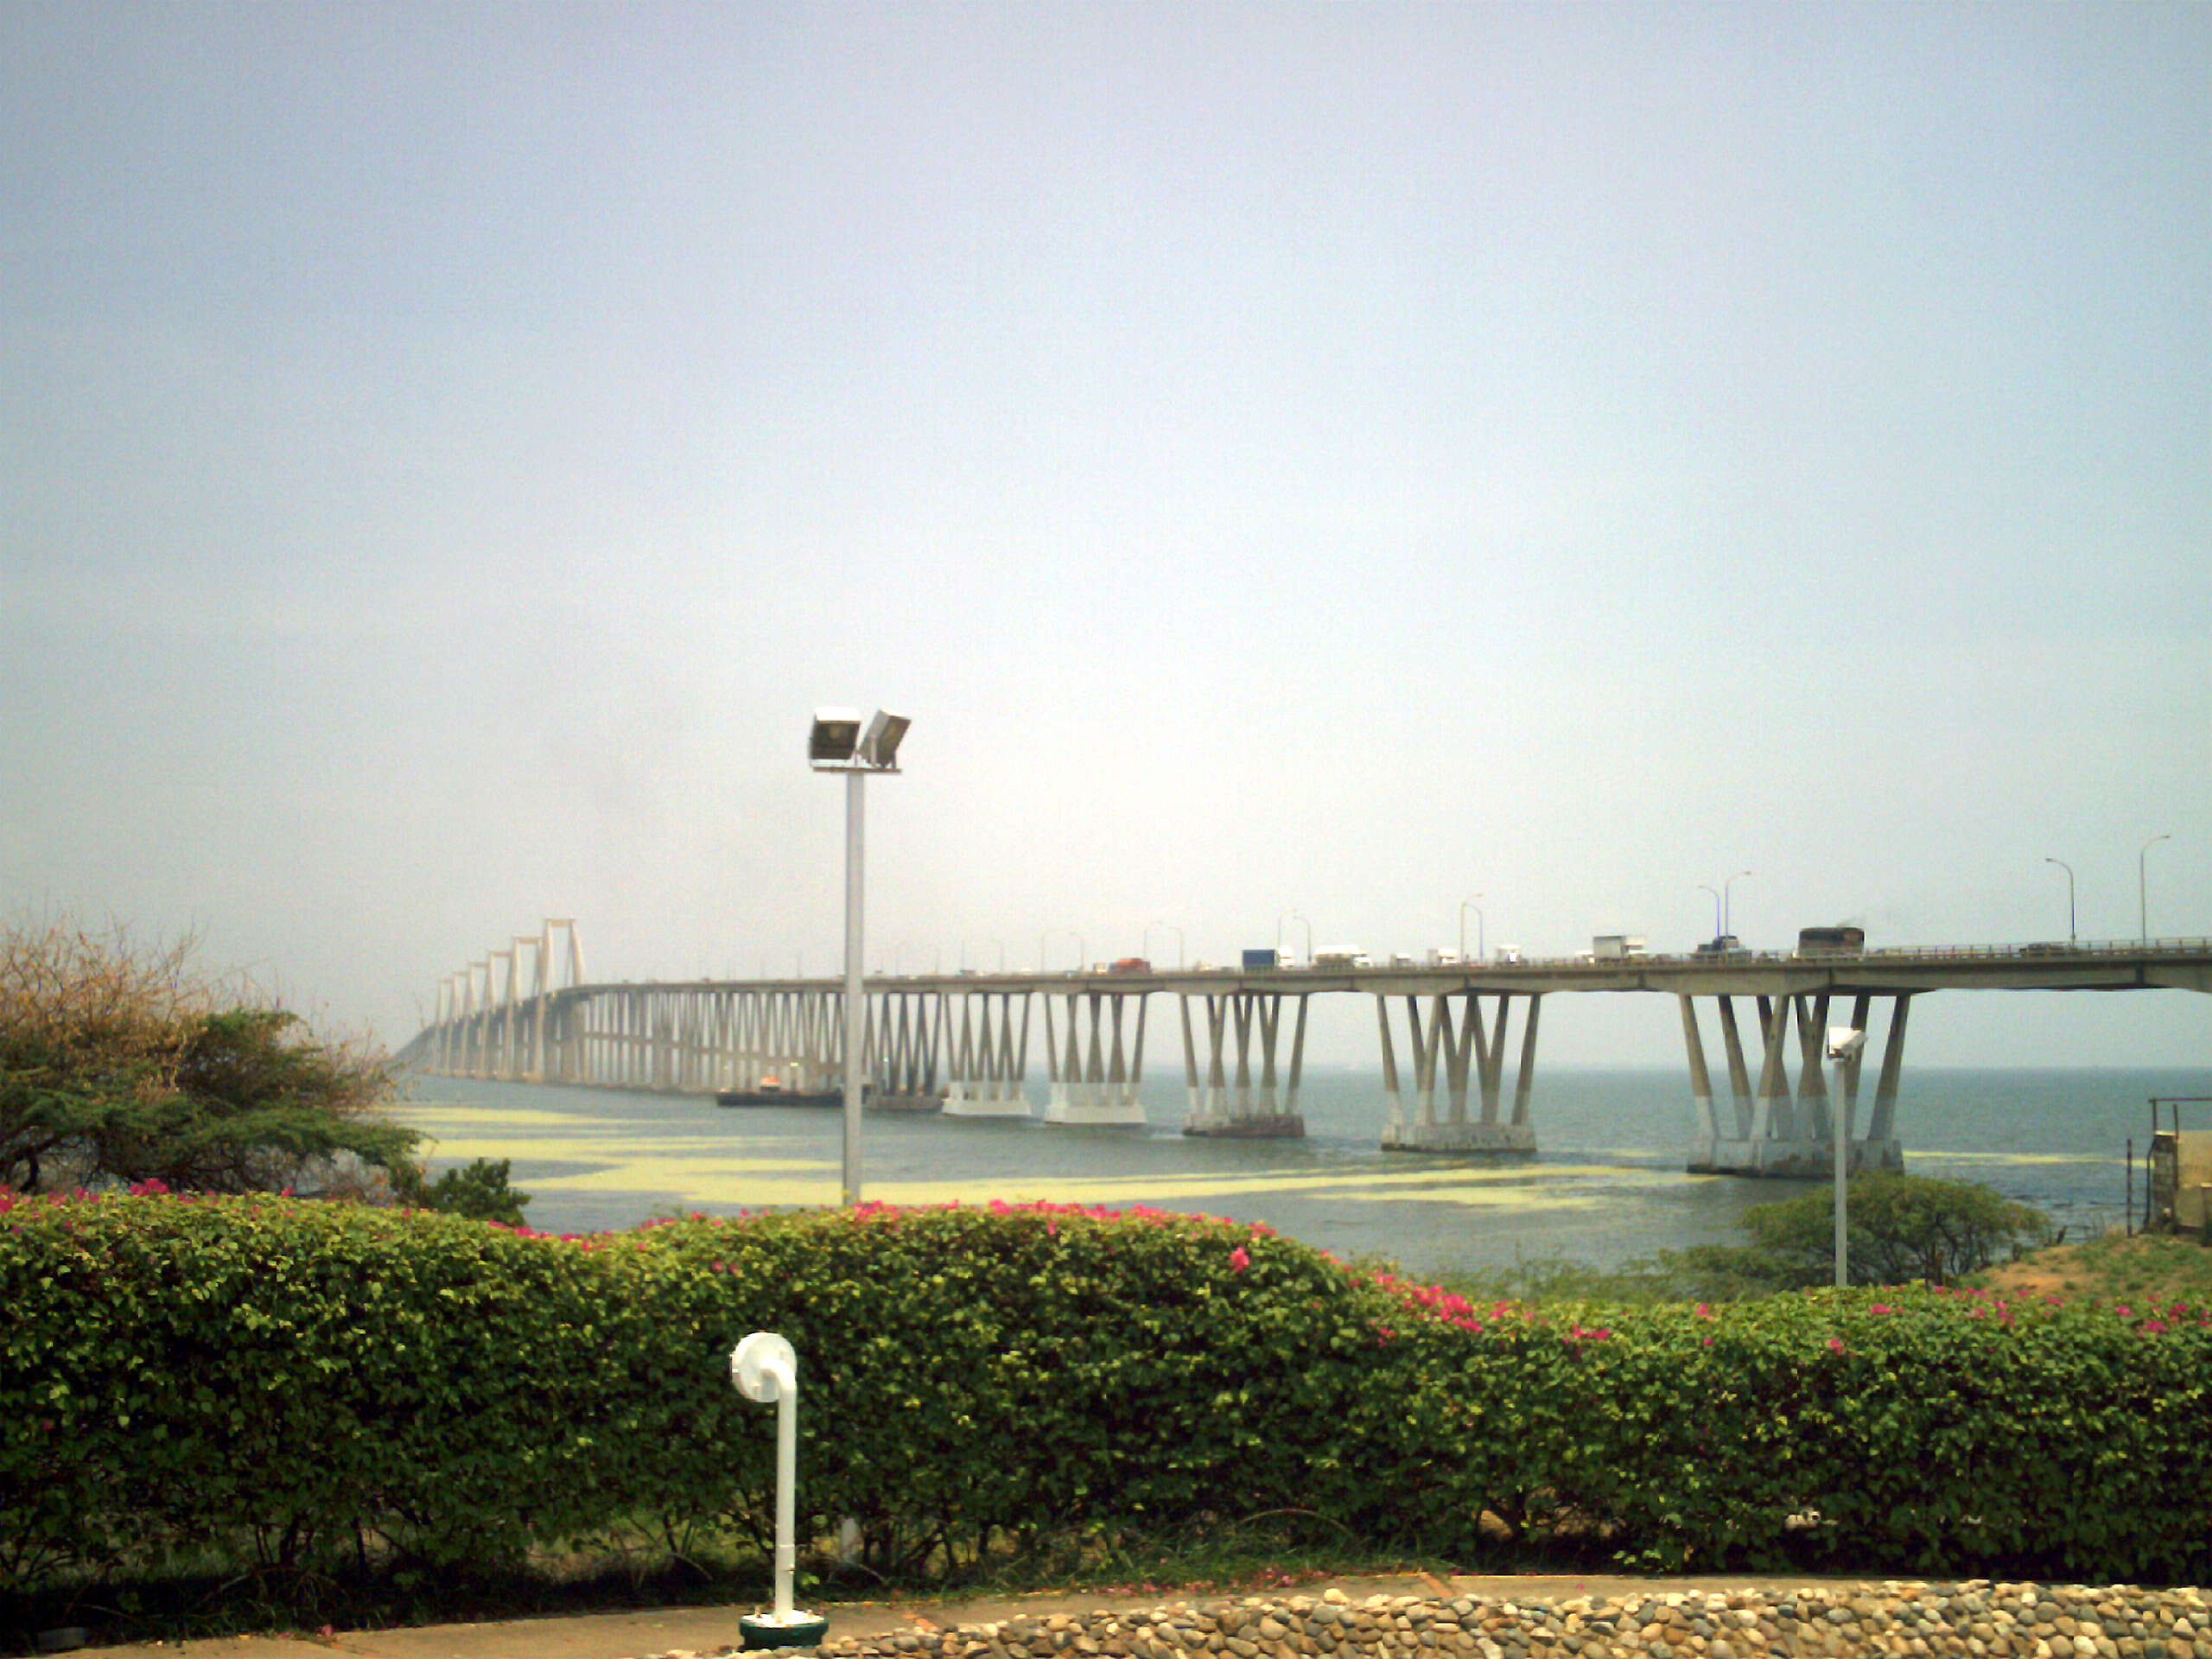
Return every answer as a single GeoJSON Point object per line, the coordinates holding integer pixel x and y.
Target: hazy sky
{"type": "Point", "coordinates": [1339, 459]}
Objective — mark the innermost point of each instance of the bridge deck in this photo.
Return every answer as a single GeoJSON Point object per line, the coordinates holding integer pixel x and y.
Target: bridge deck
{"type": "Point", "coordinates": [2167, 964]}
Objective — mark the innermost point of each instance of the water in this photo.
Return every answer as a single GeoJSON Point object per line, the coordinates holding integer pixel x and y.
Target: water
{"type": "Point", "coordinates": [1607, 1187]}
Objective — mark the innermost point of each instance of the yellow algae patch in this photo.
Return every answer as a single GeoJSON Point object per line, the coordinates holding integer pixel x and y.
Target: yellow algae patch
{"type": "Point", "coordinates": [1548, 1199]}
{"type": "Point", "coordinates": [2010, 1158]}
{"type": "Point", "coordinates": [609, 1148]}
{"type": "Point", "coordinates": [655, 1173]}
{"type": "Point", "coordinates": [710, 1183]}
{"type": "Point", "coordinates": [736, 1180]}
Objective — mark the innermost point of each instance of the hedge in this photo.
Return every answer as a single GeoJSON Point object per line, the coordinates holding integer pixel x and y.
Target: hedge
{"type": "Point", "coordinates": [304, 1384]}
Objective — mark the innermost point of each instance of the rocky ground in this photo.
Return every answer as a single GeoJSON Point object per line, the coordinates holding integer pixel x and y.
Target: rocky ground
{"type": "Point", "coordinates": [1978, 1619]}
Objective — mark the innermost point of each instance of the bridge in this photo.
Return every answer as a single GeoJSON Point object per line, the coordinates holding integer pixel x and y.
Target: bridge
{"type": "Point", "coordinates": [960, 1044]}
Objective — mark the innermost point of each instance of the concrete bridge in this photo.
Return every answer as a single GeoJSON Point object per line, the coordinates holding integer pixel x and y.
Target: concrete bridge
{"type": "Point", "coordinates": [960, 1044]}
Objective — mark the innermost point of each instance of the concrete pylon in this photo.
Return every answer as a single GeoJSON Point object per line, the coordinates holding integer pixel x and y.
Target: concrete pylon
{"type": "Point", "coordinates": [1242, 1105]}
{"type": "Point", "coordinates": [987, 1056]}
{"type": "Point", "coordinates": [1462, 1043]}
{"type": "Point", "coordinates": [1778, 1129]}
{"type": "Point", "coordinates": [905, 1033]}
{"type": "Point", "coordinates": [1097, 1072]}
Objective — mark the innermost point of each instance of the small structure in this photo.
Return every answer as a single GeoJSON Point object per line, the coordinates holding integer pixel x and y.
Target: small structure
{"type": "Point", "coordinates": [2181, 1182]}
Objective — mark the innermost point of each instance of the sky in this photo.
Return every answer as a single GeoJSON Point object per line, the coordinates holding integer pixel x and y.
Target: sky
{"type": "Point", "coordinates": [1353, 460]}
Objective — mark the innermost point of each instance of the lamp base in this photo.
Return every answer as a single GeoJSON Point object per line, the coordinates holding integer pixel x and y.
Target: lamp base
{"type": "Point", "coordinates": [792, 1630]}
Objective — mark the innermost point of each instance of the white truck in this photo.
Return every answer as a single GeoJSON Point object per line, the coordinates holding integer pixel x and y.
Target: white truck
{"type": "Point", "coordinates": [1342, 959]}
{"type": "Point", "coordinates": [1616, 947]}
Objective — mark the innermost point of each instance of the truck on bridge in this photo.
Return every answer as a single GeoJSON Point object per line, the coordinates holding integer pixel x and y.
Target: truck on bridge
{"type": "Point", "coordinates": [1831, 941]}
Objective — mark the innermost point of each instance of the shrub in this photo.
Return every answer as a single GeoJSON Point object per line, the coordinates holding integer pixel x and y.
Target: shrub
{"type": "Point", "coordinates": [307, 1384]}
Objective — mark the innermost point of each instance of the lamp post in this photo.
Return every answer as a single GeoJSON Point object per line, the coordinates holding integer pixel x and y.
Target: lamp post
{"type": "Point", "coordinates": [2142, 887]}
{"type": "Point", "coordinates": [1171, 927]}
{"type": "Point", "coordinates": [1466, 905]}
{"type": "Point", "coordinates": [1293, 916]}
{"type": "Point", "coordinates": [1728, 910]}
{"type": "Point", "coordinates": [838, 744]}
{"type": "Point", "coordinates": [1001, 951]}
{"type": "Point", "coordinates": [1843, 1044]}
{"type": "Point", "coordinates": [2068, 869]}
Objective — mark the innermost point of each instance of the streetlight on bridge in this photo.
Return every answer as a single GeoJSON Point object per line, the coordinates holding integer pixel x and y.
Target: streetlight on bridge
{"type": "Point", "coordinates": [1475, 905]}
{"type": "Point", "coordinates": [1722, 920]}
{"type": "Point", "coordinates": [1293, 916]}
{"type": "Point", "coordinates": [1145, 945]}
{"type": "Point", "coordinates": [2068, 869]}
{"type": "Point", "coordinates": [2142, 887]}
{"type": "Point", "coordinates": [837, 743]}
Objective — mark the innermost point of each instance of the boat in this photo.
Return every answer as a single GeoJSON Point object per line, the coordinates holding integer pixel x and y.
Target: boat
{"type": "Point", "coordinates": [773, 1091]}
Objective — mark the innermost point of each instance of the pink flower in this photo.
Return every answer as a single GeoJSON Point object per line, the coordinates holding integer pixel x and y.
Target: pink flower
{"type": "Point", "coordinates": [1882, 1308]}
{"type": "Point", "coordinates": [1239, 1259]}
{"type": "Point", "coordinates": [1835, 1344]}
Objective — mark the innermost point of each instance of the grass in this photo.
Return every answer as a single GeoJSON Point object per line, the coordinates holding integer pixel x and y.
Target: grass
{"type": "Point", "coordinates": [2148, 1267]}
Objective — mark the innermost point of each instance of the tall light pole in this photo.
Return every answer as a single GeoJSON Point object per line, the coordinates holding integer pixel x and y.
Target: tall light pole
{"type": "Point", "coordinates": [1293, 916]}
{"type": "Point", "coordinates": [2068, 869]}
{"type": "Point", "coordinates": [1728, 910]}
{"type": "Point", "coordinates": [1171, 927]}
{"type": "Point", "coordinates": [1719, 927]}
{"type": "Point", "coordinates": [1843, 1046]}
{"type": "Point", "coordinates": [1475, 905]}
{"type": "Point", "coordinates": [2142, 887]}
{"type": "Point", "coordinates": [838, 744]}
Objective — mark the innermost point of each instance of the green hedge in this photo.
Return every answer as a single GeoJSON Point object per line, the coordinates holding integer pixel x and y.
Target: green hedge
{"type": "Point", "coordinates": [305, 1385]}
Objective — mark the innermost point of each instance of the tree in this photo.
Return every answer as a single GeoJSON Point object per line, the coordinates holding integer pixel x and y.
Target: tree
{"type": "Point", "coordinates": [479, 1190]}
{"type": "Point", "coordinates": [120, 1063]}
{"type": "Point", "coordinates": [1901, 1228]}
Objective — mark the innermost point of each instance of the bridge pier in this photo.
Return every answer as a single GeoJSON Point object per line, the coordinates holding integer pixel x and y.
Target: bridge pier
{"type": "Point", "coordinates": [1774, 1130]}
{"type": "Point", "coordinates": [987, 1057]}
{"type": "Point", "coordinates": [1243, 1108]}
{"type": "Point", "coordinates": [1457, 1042]}
{"type": "Point", "coordinates": [1095, 1081]}
{"type": "Point", "coordinates": [905, 1037]}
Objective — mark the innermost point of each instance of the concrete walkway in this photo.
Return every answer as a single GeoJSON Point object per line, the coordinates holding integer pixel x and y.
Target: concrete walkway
{"type": "Point", "coordinates": [707, 1630]}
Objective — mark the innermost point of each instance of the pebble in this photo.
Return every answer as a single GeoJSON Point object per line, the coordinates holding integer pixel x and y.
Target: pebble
{"type": "Point", "coordinates": [1975, 1619]}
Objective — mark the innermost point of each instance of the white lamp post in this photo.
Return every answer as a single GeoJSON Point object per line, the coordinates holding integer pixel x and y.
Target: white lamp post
{"type": "Point", "coordinates": [1475, 905]}
{"type": "Point", "coordinates": [2068, 869]}
{"type": "Point", "coordinates": [1843, 1044]}
{"type": "Point", "coordinates": [838, 744]}
{"type": "Point", "coordinates": [2143, 886]}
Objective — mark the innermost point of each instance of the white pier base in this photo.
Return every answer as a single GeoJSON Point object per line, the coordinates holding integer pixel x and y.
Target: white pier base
{"type": "Point", "coordinates": [1458, 1137]}
{"type": "Point", "coordinates": [980, 1100]}
{"type": "Point", "coordinates": [1094, 1103]}
{"type": "Point", "coordinates": [1795, 1160]}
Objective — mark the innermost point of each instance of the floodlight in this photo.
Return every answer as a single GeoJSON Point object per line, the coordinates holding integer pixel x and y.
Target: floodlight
{"type": "Point", "coordinates": [879, 746]}
{"type": "Point", "coordinates": [835, 732]}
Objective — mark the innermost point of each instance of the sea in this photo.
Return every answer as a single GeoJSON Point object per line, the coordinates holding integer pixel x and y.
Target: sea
{"type": "Point", "coordinates": [1606, 1186]}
